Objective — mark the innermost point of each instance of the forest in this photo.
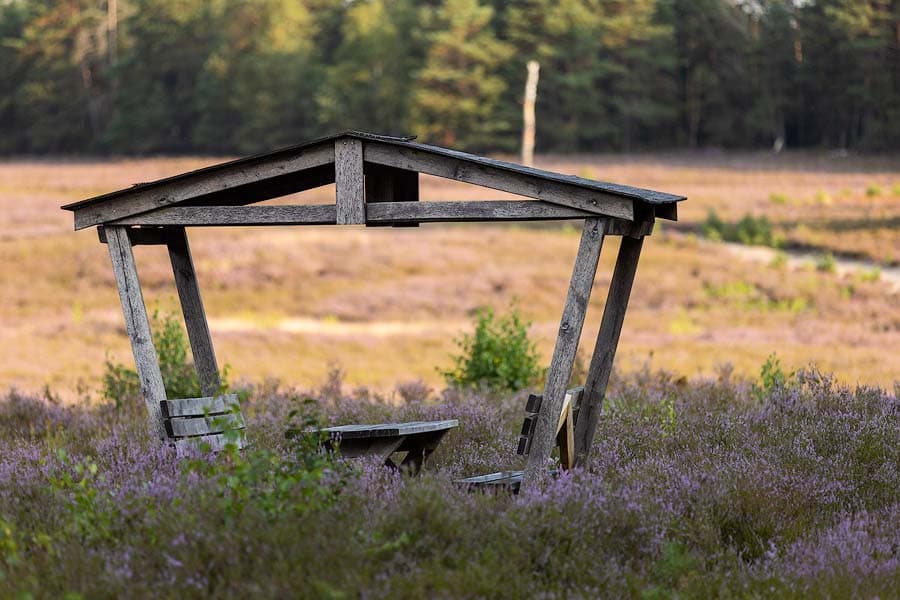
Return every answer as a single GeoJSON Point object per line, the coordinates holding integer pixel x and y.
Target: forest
{"type": "Point", "coordinates": [141, 77]}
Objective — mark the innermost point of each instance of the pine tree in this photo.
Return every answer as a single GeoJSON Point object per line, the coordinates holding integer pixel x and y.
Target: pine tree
{"type": "Point", "coordinates": [459, 88]}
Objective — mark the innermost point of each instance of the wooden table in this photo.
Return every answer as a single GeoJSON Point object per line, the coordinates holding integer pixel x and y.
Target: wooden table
{"type": "Point", "coordinates": [418, 439]}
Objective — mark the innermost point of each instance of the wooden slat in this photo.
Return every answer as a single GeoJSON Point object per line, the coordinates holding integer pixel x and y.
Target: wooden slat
{"type": "Point", "coordinates": [566, 346]}
{"type": "Point", "coordinates": [565, 435]}
{"type": "Point", "coordinates": [521, 183]}
{"type": "Point", "coordinates": [201, 183]}
{"type": "Point", "coordinates": [470, 211]}
{"type": "Point", "coordinates": [319, 214]}
{"type": "Point", "coordinates": [137, 325]}
{"type": "Point", "coordinates": [216, 441]}
{"type": "Point", "coordinates": [199, 407]}
{"type": "Point", "coordinates": [194, 315]}
{"type": "Point", "coordinates": [533, 404]}
{"type": "Point", "coordinates": [391, 429]}
{"type": "Point", "coordinates": [605, 349]}
{"type": "Point", "coordinates": [348, 180]}
{"type": "Point", "coordinates": [385, 213]}
{"type": "Point", "coordinates": [191, 426]}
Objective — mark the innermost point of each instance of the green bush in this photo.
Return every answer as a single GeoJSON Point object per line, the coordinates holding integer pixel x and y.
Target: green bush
{"type": "Point", "coordinates": [121, 383]}
{"type": "Point", "coordinates": [750, 230]}
{"type": "Point", "coordinates": [498, 356]}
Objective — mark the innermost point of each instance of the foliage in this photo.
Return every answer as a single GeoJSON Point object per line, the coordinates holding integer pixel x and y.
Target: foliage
{"type": "Point", "coordinates": [238, 76]}
{"type": "Point", "coordinates": [291, 482]}
{"type": "Point", "coordinates": [784, 487]}
{"type": "Point", "coordinates": [750, 230]}
{"type": "Point", "coordinates": [498, 355]}
{"type": "Point", "coordinates": [121, 383]}
{"type": "Point", "coordinates": [771, 378]}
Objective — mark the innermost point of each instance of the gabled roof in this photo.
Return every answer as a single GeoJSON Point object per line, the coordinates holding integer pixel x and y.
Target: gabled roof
{"type": "Point", "coordinates": [312, 164]}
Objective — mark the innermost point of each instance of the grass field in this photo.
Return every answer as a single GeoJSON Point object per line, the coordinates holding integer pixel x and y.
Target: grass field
{"type": "Point", "coordinates": [386, 304]}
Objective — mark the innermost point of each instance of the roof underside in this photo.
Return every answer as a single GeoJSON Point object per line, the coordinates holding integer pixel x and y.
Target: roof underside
{"type": "Point", "coordinates": [312, 164]}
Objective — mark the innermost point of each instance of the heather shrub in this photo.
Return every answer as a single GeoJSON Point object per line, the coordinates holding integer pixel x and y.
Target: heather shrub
{"type": "Point", "coordinates": [781, 486]}
{"type": "Point", "coordinates": [121, 383]}
{"type": "Point", "coordinates": [497, 356]}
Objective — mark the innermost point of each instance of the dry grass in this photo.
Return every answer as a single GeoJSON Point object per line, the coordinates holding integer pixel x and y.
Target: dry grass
{"type": "Point", "coordinates": [387, 303]}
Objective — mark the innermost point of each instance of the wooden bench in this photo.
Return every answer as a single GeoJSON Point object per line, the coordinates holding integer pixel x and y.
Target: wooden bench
{"type": "Point", "coordinates": [417, 439]}
{"type": "Point", "coordinates": [565, 441]}
{"type": "Point", "coordinates": [213, 420]}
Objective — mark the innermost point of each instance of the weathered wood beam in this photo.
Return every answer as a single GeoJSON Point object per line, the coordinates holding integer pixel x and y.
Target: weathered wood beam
{"type": "Point", "coordinates": [348, 179]}
{"type": "Point", "coordinates": [211, 216]}
{"type": "Point", "coordinates": [564, 352]}
{"type": "Point", "coordinates": [137, 325]}
{"type": "Point", "coordinates": [605, 350]}
{"type": "Point", "coordinates": [382, 213]}
{"type": "Point", "coordinates": [179, 189]}
{"type": "Point", "coordinates": [194, 314]}
{"type": "Point", "coordinates": [532, 186]}
{"type": "Point", "coordinates": [266, 189]}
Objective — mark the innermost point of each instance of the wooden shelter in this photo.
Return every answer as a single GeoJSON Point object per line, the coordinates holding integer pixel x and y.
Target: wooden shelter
{"type": "Point", "coordinates": [376, 184]}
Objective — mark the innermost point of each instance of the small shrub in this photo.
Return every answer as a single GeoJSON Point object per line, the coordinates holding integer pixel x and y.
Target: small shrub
{"type": "Point", "coordinates": [873, 191]}
{"type": "Point", "coordinates": [826, 263]}
{"type": "Point", "coordinates": [822, 197]}
{"type": "Point", "coordinates": [272, 483]}
{"type": "Point", "coordinates": [779, 261]}
{"type": "Point", "coordinates": [121, 383]}
{"type": "Point", "coordinates": [771, 377]}
{"type": "Point", "coordinates": [498, 356]}
{"type": "Point", "coordinates": [870, 276]}
{"type": "Point", "coordinates": [778, 198]}
{"type": "Point", "coordinates": [896, 189]}
{"type": "Point", "coordinates": [750, 230]}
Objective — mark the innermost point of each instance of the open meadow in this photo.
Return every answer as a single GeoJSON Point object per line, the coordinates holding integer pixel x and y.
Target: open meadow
{"type": "Point", "coordinates": [709, 476]}
{"type": "Point", "coordinates": [387, 304]}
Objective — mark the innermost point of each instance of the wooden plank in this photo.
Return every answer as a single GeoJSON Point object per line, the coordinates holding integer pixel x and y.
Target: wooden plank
{"type": "Point", "coordinates": [194, 315]}
{"type": "Point", "coordinates": [379, 430]}
{"type": "Point", "coordinates": [349, 181]}
{"type": "Point", "coordinates": [605, 349]}
{"type": "Point", "coordinates": [470, 211]}
{"type": "Point", "coordinates": [383, 213]}
{"type": "Point", "coordinates": [516, 182]}
{"type": "Point", "coordinates": [216, 441]}
{"type": "Point", "coordinates": [200, 407]}
{"type": "Point", "coordinates": [564, 351]}
{"type": "Point", "coordinates": [192, 426]}
{"type": "Point", "coordinates": [576, 393]}
{"type": "Point", "coordinates": [201, 183]}
{"type": "Point", "coordinates": [137, 325]}
{"type": "Point", "coordinates": [565, 436]}
{"type": "Point", "coordinates": [391, 429]}
{"type": "Point", "coordinates": [206, 216]}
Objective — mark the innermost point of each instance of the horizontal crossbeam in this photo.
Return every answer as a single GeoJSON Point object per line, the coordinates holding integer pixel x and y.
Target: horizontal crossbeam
{"type": "Point", "coordinates": [381, 213]}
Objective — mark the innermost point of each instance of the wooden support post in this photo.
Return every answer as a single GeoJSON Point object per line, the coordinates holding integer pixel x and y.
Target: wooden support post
{"type": "Point", "coordinates": [348, 179]}
{"type": "Point", "coordinates": [194, 315]}
{"type": "Point", "coordinates": [605, 350]}
{"type": "Point", "coordinates": [137, 325]}
{"type": "Point", "coordinates": [564, 352]}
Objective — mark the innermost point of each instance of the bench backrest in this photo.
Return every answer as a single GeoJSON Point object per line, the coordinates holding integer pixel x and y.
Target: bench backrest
{"type": "Point", "coordinates": [191, 421]}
